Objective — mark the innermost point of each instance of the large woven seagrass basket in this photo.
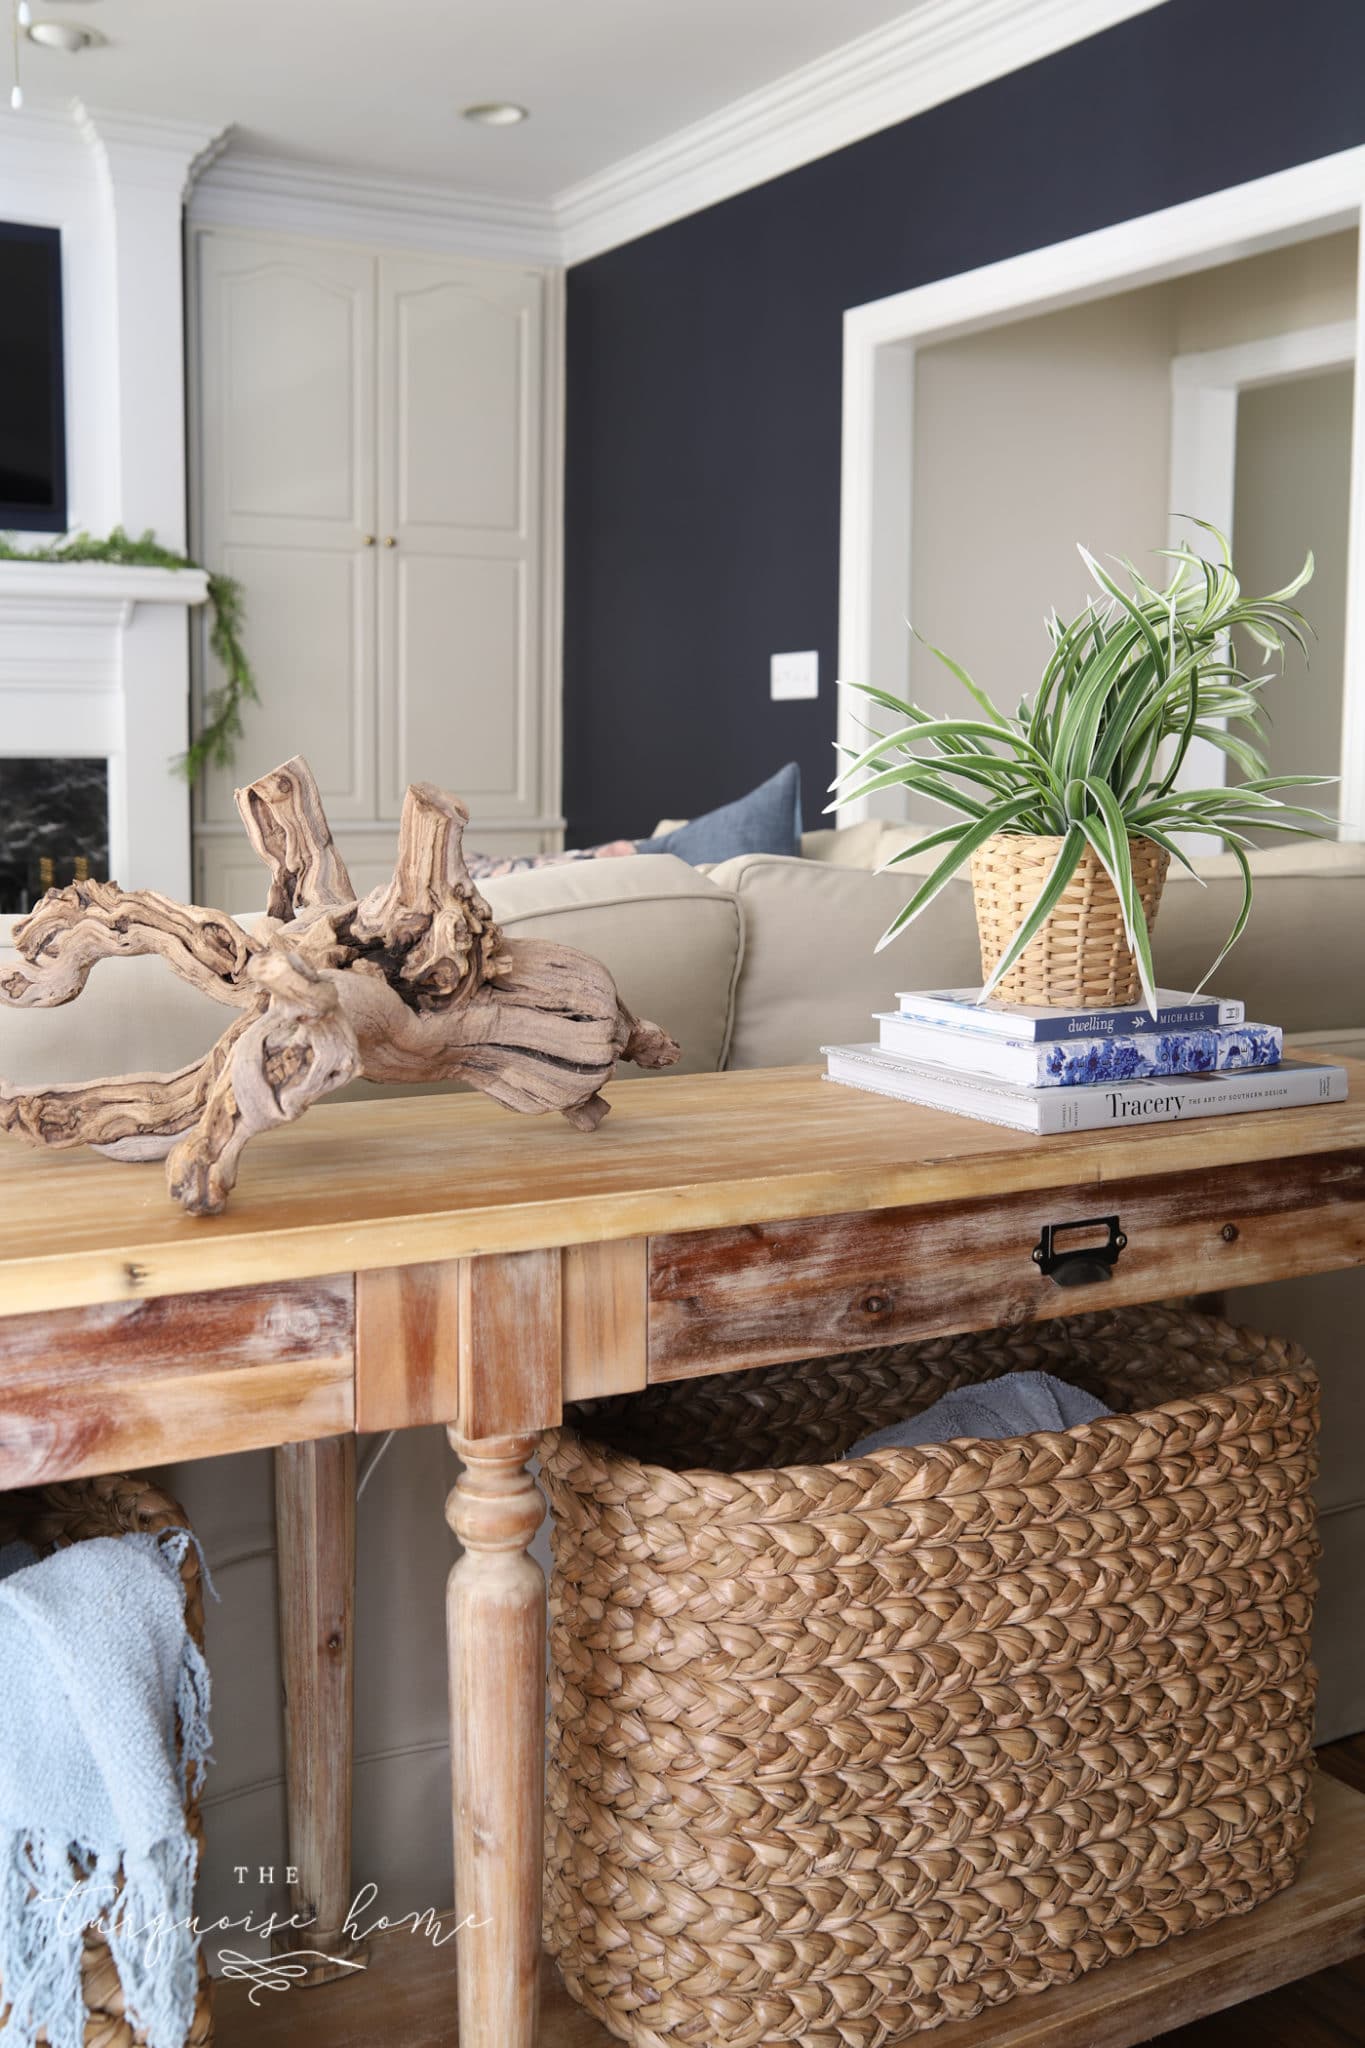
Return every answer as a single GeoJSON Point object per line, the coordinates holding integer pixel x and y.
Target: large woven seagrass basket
{"type": "Point", "coordinates": [49, 1517]}
{"type": "Point", "coordinates": [840, 1751]}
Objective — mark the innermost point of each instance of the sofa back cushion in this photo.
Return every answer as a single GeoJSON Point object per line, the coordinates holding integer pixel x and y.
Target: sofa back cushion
{"type": "Point", "coordinates": [132, 1017]}
{"type": "Point", "coordinates": [672, 938]}
{"type": "Point", "coordinates": [762, 960]}
{"type": "Point", "coordinates": [1301, 961]}
{"type": "Point", "coordinates": [812, 974]}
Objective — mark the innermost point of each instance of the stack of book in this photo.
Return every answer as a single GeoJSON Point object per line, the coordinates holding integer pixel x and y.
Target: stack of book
{"type": "Point", "coordinates": [1080, 1070]}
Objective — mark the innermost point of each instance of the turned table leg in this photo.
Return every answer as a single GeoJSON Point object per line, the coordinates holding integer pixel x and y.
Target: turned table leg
{"type": "Point", "coordinates": [496, 1619]}
{"type": "Point", "coordinates": [315, 1529]}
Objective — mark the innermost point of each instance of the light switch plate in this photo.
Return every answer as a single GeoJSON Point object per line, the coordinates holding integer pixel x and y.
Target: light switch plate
{"type": "Point", "coordinates": [795, 675]}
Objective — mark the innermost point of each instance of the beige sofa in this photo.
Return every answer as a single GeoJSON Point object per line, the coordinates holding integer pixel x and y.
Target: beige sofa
{"type": "Point", "coordinates": [756, 963]}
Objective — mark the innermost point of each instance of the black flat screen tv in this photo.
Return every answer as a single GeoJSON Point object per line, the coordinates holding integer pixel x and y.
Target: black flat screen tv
{"type": "Point", "coordinates": [32, 391]}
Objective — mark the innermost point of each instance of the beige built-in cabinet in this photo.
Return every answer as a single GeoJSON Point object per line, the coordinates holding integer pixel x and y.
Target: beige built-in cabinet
{"type": "Point", "coordinates": [375, 448]}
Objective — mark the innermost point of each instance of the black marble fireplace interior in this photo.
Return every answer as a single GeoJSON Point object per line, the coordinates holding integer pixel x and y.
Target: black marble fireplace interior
{"type": "Point", "coordinates": [54, 826]}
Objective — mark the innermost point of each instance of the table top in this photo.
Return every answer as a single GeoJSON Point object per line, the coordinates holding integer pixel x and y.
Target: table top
{"type": "Point", "coordinates": [359, 1185]}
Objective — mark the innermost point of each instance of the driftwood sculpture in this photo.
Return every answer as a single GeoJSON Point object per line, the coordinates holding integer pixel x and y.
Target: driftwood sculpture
{"type": "Point", "coordinates": [414, 982]}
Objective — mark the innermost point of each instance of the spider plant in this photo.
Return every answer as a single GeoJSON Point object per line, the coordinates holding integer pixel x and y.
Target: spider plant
{"type": "Point", "coordinates": [1096, 758]}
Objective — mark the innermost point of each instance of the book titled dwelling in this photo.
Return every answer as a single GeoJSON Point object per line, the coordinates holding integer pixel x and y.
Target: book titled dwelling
{"type": "Point", "coordinates": [962, 1010]}
{"type": "Point", "coordinates": [1292, 1085]}
{"type": "Point", "coordinates": [1083, 1062]}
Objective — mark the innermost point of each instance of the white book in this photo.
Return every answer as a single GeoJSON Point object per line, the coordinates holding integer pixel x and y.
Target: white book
{"type": "Point", "coordinates": [1082, 1062]}
{"type": "Point", "coordinates": [1292, 1085]}
{"type": "Point", "coordinates": [960, 1008]}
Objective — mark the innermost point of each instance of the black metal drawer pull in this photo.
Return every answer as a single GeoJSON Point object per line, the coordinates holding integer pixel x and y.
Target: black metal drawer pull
{"type": "Point", "coordinates": [1084, 1264]}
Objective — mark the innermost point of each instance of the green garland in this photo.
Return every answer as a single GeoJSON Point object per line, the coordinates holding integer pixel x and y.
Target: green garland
{"type": "Point", "coordinates": [223, 706]}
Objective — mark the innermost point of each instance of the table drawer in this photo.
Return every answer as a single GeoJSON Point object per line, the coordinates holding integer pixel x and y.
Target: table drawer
{"type": "Point", "coordinates": [757, 1294]}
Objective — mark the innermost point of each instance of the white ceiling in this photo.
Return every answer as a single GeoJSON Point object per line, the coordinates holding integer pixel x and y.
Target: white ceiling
{"type": "Point", "coordinates": [377, 85]}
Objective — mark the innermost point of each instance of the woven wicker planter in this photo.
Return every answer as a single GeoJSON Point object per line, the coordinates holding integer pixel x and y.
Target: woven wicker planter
{"type": "Point", "coordinates": [50, 1517]}
{"type": "Point", "coordinates": [1080, 960]}
{"type": "Point", "coordinates": [843, 1751]}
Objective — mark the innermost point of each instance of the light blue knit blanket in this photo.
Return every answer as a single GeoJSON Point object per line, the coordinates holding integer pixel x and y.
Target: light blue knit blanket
{"type": "Point", "coordinates": [1017, 1404]}
{"type": "Point", "coordinates": [96, 1666]}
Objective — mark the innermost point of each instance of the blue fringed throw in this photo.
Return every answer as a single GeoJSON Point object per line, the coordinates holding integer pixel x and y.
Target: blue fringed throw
{"type": "Point", "coordinates": [97, 1668]}
{"type": "Point", "coordinates": [1017, 1404]}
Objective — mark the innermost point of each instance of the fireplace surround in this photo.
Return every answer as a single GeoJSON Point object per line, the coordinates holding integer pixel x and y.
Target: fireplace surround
{"type": "Point", "coordinates": [93, 668]}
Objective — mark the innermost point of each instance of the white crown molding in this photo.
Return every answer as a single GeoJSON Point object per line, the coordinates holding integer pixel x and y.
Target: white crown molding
{"type": "Point", "coordinates": [941, 49]}
{"type": "Point", "coordinates": [61, 138]}
{"type": "Point", "coordinates": [938, 50]}
{"type": "Point", "coordinates": [141, 149]}
{"type": "Point", "coordinates": [271, 194]}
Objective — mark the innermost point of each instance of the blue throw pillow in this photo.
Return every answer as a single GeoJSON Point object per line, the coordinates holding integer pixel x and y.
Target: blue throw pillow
{"type": "Point", "coordinates": [767, 820]}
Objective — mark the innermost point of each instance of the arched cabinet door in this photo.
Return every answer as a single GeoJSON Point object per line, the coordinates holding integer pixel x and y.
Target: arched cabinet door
{"type": "Point", "coordinates": [286, 500]}
{"type": "Point", "coordinates": [371, 457]}
{"type": "Point", "coordinates": [461, 672]}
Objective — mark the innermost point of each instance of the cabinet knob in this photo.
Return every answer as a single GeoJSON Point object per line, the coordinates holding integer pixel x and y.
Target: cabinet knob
{"type": "Point", "coordinates": [389, 541]}
{"type": "Point", "coordinates": [367, 540]}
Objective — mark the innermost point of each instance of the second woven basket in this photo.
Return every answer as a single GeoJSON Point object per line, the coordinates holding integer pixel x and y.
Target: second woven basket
{"type": "Point", "coordinates": [50, 1517]}
{"type": "Point", "coordinates": [840, 1751]}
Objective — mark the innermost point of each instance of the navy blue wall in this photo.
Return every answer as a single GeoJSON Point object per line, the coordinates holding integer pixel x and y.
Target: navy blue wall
{"type": "Point", "coordinates": [704, 369]}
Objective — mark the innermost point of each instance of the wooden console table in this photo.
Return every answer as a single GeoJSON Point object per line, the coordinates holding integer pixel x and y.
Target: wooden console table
{"type": "Point", "coordinates": [437, 1260]}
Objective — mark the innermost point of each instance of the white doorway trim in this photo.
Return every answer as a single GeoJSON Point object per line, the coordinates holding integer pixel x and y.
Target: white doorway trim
{"type": "Point", "coordinates": [1205, 387]}
{"type": "Point", "coordinates": [880, 340]}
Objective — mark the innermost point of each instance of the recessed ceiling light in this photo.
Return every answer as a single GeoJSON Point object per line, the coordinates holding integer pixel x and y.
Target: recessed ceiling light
{"type": "Point", "coordinates": [497, 113]}
{"type": "Point", "coordinates": [63, 35]}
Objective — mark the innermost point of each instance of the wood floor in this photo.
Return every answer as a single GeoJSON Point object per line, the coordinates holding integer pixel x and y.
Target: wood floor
{"type": "Point", "coordinates": [406, 1998]}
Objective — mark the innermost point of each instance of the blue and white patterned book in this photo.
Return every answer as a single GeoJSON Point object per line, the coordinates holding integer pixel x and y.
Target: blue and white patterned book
{"type": "Point", "coordinates": [960, 1009]}
{"type": "Point", "coordinates": [1083, 1062]}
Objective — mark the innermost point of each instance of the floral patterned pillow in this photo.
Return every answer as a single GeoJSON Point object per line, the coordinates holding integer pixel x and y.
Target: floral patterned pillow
{"type": "Point", "coordinates": [487, 867]}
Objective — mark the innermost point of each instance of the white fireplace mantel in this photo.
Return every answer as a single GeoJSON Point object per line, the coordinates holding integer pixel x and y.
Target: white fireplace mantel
{"type": "Point", "coordinates": [93, 664]}
{"type": "Point", "coordinates": [98, 587]}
